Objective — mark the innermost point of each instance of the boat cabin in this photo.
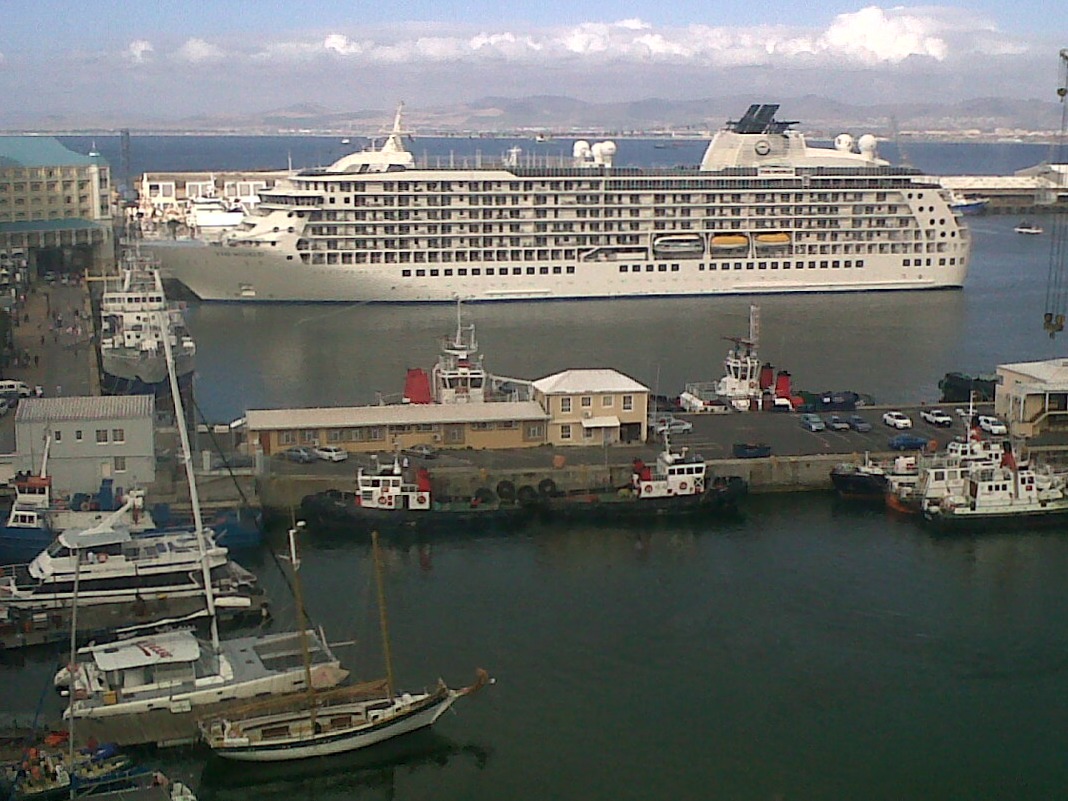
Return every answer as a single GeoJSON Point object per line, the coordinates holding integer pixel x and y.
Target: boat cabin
{"type": "Point", "coordinates": [387, 489]}
{"type": "Point", "coordinates": [676, 473]}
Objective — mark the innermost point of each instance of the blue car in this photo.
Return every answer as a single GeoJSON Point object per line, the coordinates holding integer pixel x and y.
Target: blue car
{"type": "Point", "coordinates": [907, 442]}
{"type": "Point", "coordinates": [299, 454]}
{"type": "Point", "coordinates": [812, 422]}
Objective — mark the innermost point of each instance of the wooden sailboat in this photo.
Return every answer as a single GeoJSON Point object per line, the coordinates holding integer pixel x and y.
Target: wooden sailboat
{"type": "Point", "coordinates": [337, 721]}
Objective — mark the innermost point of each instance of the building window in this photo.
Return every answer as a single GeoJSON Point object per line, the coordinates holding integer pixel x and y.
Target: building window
{"type": "Point", "coordinates": [587, 401]}
{"type": "Point", "coordinates": [565, 405]}
{"type": "Point", "coordinates": [101, 436]}
{"type": "Point", "coordinates": [309, 436]}
{"type": "Point", "coordinates": [607, 401]}
{"type": "Point", "coordinates": [374, 433]}
{"type": "Point", "coordinates": [119, 463]}
{"type": "Point", "coordinates": [286, 438]}
{"type": "Point", "coordinates": [57, 436]}
{"type": "Point", "coordinates": [565, 432]}
{"type": "Point", "coordinates": [334, 434]}
{"type": "Point", "coordinates": [628, 403]}
{"type": "Point", "coordinates": [534, 431]}
{"type": "Point", "coordinates": [118, 435]}
{"type": "Point", "coordinates": [77, 436]}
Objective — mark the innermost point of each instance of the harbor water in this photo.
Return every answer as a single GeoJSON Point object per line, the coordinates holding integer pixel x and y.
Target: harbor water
{"type": "Point", "coordinates": [806, 649]}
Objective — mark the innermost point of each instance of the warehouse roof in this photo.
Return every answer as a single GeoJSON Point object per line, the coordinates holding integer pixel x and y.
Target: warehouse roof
{"type": "Point", "coordinates": [393, 414]}
{"type": "Point", "coordinates": [105, 407]}
{"type": "Point", "coordinates": [596, 380]}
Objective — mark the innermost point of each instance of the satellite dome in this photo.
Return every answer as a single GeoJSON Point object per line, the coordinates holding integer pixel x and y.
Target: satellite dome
{"type": "Point", "coordinates": [867, 144]}
{"type": "Point", "coordinates": [581, 149]}
{"type": "Point", "coordinates": [843, 142]}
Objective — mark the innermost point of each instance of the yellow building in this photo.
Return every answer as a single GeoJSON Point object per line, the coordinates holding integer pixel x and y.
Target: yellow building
{"type": "Point", "coordinates": [363, 429]}
{"type": "Point", "coordinates": [1033, 396]}
{"type": "Point", "coordinates": [55, 206]}
{"type": "Point", "coordinates": [593, 407]}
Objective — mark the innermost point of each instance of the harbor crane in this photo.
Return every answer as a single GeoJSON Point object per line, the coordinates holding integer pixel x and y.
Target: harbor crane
{"type": "Point", "coordinates": [1057, 283]}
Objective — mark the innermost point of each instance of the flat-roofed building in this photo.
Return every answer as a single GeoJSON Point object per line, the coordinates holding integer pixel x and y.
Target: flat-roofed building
{"type": "Point", "coordinates": [55, 205]}
{"type": "Point", "coordinates": [363, 429]}
{"type": "Point", "coordinates": [92, 438]}
{"type": "Point", "coordinates": [1033, 396]}
{"type": "Point", "coordinates": [593, 407]}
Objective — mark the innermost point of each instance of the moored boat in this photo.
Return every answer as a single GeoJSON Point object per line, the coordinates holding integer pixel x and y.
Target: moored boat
{"type": "Point", "coordinates": [1028, 228]}
{"type": "Point", "coordinates": [309, 240]}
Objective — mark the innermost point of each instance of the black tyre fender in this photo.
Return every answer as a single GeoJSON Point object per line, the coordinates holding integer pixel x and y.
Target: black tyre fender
{"type": "Point", "coordinates": [527, 494]}
{"type": "Point", "coordinates": [506, 490]}
{"type": "Point", "coordinates": [485, 495]}
{"type": "Point", "coordinates": [547, 487]}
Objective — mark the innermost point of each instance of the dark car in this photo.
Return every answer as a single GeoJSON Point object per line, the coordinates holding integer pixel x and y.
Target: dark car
{"type": "Point", "coordinates": [907, 442]}
{"type": "Point", "coordinates": [298, 454]}
{"type": "Point", "coordinates": [858, 423]}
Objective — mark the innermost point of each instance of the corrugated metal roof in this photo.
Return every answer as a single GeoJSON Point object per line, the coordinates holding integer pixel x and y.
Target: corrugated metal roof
{"type": "Point", "coordinates": [67, 224]}
{"type": "Point", "coordinates": [595, 380]}
{"type": "Point", "coordinates": [105, 407]}
{"type": "Point", "coordinates": [41, 151]}
{"type": "Point", "coordinates": [396, 414]}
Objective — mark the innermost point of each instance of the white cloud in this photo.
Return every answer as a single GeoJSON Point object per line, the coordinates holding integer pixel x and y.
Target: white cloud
{"type": "Point", "coordinates": [339, 43]}
{"type": "Point", "coordinates": [873, 35]}
{"type": "Point", "coordinates": [197, 51]}
{"type": "Point", "coordinates": [139, 51]}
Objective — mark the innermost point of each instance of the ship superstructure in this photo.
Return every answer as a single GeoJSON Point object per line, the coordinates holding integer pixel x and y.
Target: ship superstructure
{"type": "Point", "coordinates": [135, 315]}
{"type": "Point", "coordinates": [763, 212]}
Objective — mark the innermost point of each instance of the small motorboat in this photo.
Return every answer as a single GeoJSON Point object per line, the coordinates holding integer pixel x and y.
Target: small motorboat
{"type": "Point", "coordinates": [1026, 227]}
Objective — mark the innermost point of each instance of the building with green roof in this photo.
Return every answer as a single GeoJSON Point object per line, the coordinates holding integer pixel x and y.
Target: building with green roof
{"type": "Point", "coordinates": [55, 206]}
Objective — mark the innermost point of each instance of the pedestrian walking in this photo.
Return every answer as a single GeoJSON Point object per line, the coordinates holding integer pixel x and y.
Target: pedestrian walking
{"type": "Point", "coordinates": [36, 360]}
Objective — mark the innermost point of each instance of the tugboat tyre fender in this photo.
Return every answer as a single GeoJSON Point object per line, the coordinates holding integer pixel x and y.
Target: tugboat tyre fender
{"type": "Point", "coordinates": [547, 487]}
{"type": "Point", "coordinates": [527, 494]}
{"type": "Point", "coordinates": [506, 490]}
{"type": "Point", "coordinates": [485, 495]}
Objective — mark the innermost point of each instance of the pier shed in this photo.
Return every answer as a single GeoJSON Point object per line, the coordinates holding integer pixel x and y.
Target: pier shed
{"type": "Point", "coordinates": [1033, 396]}
{"type": "Point", "coordinates": [365, 429]}
{"type": "Point", "coordinates": [89, 439]}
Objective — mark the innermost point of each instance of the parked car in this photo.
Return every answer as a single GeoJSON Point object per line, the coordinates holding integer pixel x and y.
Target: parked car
{"type": "Point", "coordinates": [421, 451]}
{"type": "Point", "coordinates": [936, 417]}
{"type": "Point", "coordinates": [897, 420]}
{"type": "Point", "coordinates": [812, 422]}
{"type": "Point", "coordinates": [298, 454]}
{"type": "Point", "coordinates": [751, 450]}
{"type": "Point", "coordinates": [858, 423]}
{"type": "Point", "coordinates": [836, 423]}
{"type": "Point", "coordinates": [331, 453]}
{"type": "Point", "coordinates": [672, 425]}
{"type": "Point", "coordinates": [992, 425]}
{"type": "Point", "coordinates": [907, 442]}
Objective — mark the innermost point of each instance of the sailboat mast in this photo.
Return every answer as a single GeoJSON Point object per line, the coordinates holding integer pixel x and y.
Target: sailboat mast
{"type": "Point", "coordinates": [73, 666]}
{"type": "Point", "coordinates": [383, 617]}
{"type": "Point", "coordinates": [187, 460]}
{"type": "Point", "coordinates": [302, 623]}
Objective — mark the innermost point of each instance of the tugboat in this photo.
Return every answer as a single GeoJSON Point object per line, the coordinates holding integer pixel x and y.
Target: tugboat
{"type": "Point", "coordinates": [384, 499]}
{"type": "Point", "coordinates": [677, 484]}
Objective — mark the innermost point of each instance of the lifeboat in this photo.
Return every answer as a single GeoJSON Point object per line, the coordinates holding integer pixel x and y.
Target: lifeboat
{"type": "Point", "coordinates": [731, 242]}
{"type": "Point", "coordinates": [679, 245]}
{"type": "Point", "coordinates": [773, 239]}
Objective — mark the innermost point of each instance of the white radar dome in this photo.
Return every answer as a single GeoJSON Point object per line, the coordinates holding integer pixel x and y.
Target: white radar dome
{"type": "Point", "coordinates": [581, 149]}
{"type": "Point", "coordinates": [843, 142]}
{"type": "Point", "coordinates": [867, 144]}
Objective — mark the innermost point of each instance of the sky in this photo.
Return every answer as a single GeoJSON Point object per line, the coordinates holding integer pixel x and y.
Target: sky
{"type": "Point", "coordinates": [150, 60]}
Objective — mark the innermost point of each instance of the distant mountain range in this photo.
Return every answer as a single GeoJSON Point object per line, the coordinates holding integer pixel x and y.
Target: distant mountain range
{"type": "Point", "coordinates": [565, 116]}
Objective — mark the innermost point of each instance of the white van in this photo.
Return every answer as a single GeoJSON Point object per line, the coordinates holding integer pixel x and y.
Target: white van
{"type": "Point", "coordinates": [10, 387]}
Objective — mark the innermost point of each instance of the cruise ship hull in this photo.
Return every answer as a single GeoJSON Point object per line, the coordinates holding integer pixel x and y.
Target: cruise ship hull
{"type": "Point", "coordinates": [236, 275]}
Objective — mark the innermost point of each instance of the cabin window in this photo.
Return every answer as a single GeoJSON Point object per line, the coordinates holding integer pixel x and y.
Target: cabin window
{"type": "Point", "coordinates": [406, 273]}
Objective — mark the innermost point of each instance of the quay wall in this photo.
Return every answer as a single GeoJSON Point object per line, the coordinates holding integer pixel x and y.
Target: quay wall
{"type": "Point", "coordinates": [279, 494]}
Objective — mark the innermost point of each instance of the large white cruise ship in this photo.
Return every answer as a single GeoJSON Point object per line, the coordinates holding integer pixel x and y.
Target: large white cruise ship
{"type": "Point", "coordinates": [764, 212]}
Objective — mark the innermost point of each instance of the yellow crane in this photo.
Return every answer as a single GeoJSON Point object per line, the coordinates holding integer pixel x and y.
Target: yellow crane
{"type": "Point", "coordinates": [1057, 283]}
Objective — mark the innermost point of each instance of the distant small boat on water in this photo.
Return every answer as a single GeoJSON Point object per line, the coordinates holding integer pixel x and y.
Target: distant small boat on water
{"type": "Point", "coordinates": [1026, 227]}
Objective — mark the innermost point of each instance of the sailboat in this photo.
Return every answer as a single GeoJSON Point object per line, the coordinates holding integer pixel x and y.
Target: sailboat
{"type": "Point", "coordinates": [338, 721]}
{"type": "Point", "coordinates": [153, 688]}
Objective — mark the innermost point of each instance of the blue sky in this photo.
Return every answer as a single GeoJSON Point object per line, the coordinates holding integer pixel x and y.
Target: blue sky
{"type": "Point", "coordinates": [168, 60]}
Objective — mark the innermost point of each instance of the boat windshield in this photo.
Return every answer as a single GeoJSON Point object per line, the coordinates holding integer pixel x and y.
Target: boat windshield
{"type": "Point", "coordinates": [58, 549]}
